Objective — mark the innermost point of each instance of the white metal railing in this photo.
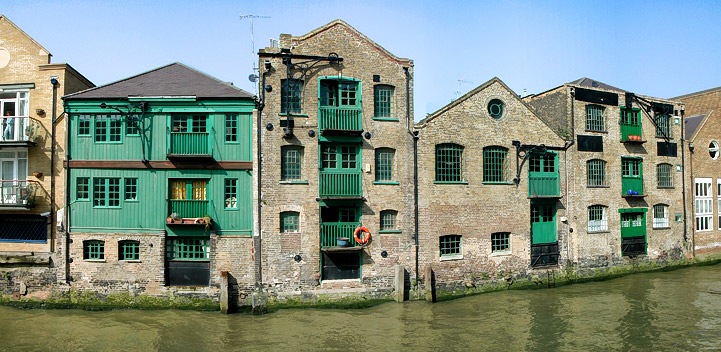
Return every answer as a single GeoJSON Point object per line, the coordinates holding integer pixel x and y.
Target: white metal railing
{"type": "Point", "coordinates": [17, 193]}
{"type": "Point", "coordinates": [18, 129]}
{"type": "Point", "coordinates": [660, 222]}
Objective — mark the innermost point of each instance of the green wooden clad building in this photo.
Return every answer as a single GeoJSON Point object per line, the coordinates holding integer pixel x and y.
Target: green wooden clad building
{"type": "Point", "coordinates": [159, 181]}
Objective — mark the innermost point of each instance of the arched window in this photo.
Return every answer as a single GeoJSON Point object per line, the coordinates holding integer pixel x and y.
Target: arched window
{"type": "Point", "coordinates": [495, 164]}
{"type": "Point", "coordinates": [596, 172]}
{"type": "Point", "coordinates": [713, 150]}
{"type": "Point", "coordinates": [664, 177]}
{"type": "Point", "coordinates": [449, 162]}
{"type": "Point", "coordinates": [597, 218]}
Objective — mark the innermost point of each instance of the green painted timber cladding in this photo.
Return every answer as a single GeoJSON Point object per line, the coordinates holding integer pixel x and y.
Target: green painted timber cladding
{"type": "Point", "coordinates": [149, 212]}
{"type": "Point", "coordinates": [156, 130]}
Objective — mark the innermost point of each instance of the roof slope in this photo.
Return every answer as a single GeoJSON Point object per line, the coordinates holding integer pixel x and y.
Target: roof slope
{"type": "Point", "coordinates": [710, 90]}
{"type": "Point", "coordinates": [3, 17]}
{"type": "Point", "coordinates": [592, 83]}
{"type": "Point", "coordinates": [692, 124]}
{"type": "Point", "coordinates": [174, 79]}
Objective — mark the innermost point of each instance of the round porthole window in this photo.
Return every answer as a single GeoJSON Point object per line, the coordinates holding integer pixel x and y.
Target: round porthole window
{"type": "Point", "coordinates": [496, 108]}
{"type": "Point", "coordinates": [713, 150]}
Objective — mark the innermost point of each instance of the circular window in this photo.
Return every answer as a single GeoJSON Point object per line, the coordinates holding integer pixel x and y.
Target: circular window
{"type": "Point", "coordinates": [496, 108]}
{"type": "Point", "coordinates": [713, 150]}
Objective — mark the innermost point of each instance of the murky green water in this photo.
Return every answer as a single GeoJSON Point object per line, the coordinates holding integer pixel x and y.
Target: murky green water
{"type": "Point", "coordinates": [654, 312]}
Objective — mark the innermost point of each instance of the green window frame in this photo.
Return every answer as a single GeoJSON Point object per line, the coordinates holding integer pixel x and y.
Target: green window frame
{"type": "Point", "coordinates": [131, 189]}
{"type": "Point", "coordinates": [83, 188]}
{"type": "Point", "coordinates": [631, 167]}
{"type": "Point", "coordinates": [108, 129]}
{"type": "Point", "coordinates": [496, 108]}
{"type": "Point", "coordinates": [289, 221]}
{"type": "Point", "coordinates": [663, 125]}
{"type": "Point", "coordinates": [131, 126]}
{"type": "Point", "coordinates": [230, 193]}
{"type": "Point", "coordinates": [495, 164]}
{"type": "Point", "coordinates": [383, 101]}
{"type": "Point", "coordinates": [84, 122]}
{"type": "Point", "coordinates": [597, 218]}
{"type": "Point", "coordinates": [291, 162]}
{"type": "Point", "coordinates": [449, 162]}
{"type": "Point", "coordinates": [94, 250]}
{"type": "Point", "coordinates": [388, 220]}
{"type": "Point", "coordinates": [106, 192]}
{"type": "Point", "coordinates": [339, 92]}
{"type": "Point", "coordinates": [596, 173]}
{"type": "Point", "coordinates": [630, 117]}
{"type": "Point", "coordinates": [128, 250]}
{"type": "Point", "coordinates": [291, 96]}
{"type": "Point", "coordinates": [189, 123]}
{"type": "Point", "coordinates": [450, 245]}
{"type": "Point", "coordinates": [347, 214]}
{"type": "Point", "coordinates": [500, 242]}
{"type": "Point", "coordinates": [231, 128]}
{"type": "Point", "coordinates": [664, 175]}
{"type": "Point", "coordinates": [384, 164]}
{"type": "Point", "coordinates": [188, 248]}
{"type": "Point", "coordinates": [595, 118]}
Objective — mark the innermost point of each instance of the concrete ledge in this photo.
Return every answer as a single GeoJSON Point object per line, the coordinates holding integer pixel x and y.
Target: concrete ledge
{"type": "Point", "coordinates": [39, 258]}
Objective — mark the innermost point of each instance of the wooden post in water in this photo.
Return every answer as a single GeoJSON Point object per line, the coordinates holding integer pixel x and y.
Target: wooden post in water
{"type": "Point", "coordinates": [224, 292]}
{"type": "Point", "coordinates": [399, 283]}
{"type": "Point", "coordinates": [430, 285]}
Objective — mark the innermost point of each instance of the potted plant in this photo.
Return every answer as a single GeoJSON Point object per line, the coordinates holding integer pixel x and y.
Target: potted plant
{"type": "Point", "coordinates": [207, 220]}
{"type": "Point", "coordinates": [173, 218]}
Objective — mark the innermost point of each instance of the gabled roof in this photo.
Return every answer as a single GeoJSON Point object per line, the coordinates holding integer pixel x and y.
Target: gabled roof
{"type": "Point", "coordinates": [3, 17]}
{"type": "Point", "coordinates": [174, 79]}
{"type": "Point", "coordinates": [693, 124]}
{"type": "Point", "coordinates": [355, 32]}
{"type": "Point", "coordinates": [592, 83]}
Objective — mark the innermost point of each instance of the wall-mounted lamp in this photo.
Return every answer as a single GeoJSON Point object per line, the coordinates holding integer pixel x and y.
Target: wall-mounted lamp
{"type": "Point", "coordinates": [268, 88]}
{"type": "Point", "coordinates": [384, 254]}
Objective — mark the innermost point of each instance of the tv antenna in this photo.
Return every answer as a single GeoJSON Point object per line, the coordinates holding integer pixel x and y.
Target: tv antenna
{"type": "Point", "coordinates": [252, 48]}
{"type": "Point", "coordinates": [458, 91]}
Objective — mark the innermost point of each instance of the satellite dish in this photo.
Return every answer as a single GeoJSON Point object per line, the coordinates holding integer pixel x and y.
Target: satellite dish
{"type": "Point", "coordinates": [253, 77]}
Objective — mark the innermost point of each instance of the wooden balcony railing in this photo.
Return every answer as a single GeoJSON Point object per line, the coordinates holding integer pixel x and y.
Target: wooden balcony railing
{"type": "Point", "coordinates": [189, 143]}
{"type": "Point", "coordinates": [341, 184]}
{"type": "Point", "coordinates": [188, 208]}
{"type": "Point", "coordinates": [330, 232]}
{"type": "Point", "coordinates": [634, 184]}
{"type": "Point", "coordinates": [631, 132]}
{"type": "Point", "coordinates": [339, 118]}
{"type": "Point", "coordinates": [543, 186]}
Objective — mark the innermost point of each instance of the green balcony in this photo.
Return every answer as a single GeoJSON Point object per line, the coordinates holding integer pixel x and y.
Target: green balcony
{"type": "Point", "coordinates": [543, 187]}
{"type": "Point", "coordinates": [330, 232]}
{"type": "Point", "coordinates": [341, 184]}
{"type": "Point", "coordinates": [631, 133]}
{"type": "Point", "coordinates": [340, 119]}
{"type": "Point", "coordinates": [188, 208]}
{"type": "Point", "coordinates": [189, 144]}
{"type": "Point", "coordinates": [633, 184]}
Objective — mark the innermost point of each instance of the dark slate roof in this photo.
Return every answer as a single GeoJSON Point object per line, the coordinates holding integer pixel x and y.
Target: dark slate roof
{"type": "Point", "coordinates": [692, 123]}
{"type": "Point", "coordinates": [175, 79]}
{"type": "Point", "coordinates": [592, 83]}
{"type": "Point", "coordinates": [696, 93]}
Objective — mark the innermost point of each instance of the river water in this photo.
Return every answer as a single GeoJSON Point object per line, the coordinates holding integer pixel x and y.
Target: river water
{"type": "Point", "coordinates": [654, 312]}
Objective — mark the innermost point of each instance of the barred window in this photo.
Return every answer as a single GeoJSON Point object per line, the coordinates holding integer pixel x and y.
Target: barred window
{"type": "Point", "coordinates": [450, 245]}
{"type": "Point", "coordinates": [384, 164]}
{"type": "Point", "coordinates": [290, 95]}
{"type": "Point", "coordinates": [289, 221]}
{"type": "Point", "coordinates": [388, 220]}
{"type": "Point", "coordinates": [597, 218]}
{"type": "Point", "coordinates": [596, 172]}
{"type": "Point", "coordinates": [595, 119]}
{"type": "Point", "coordinates": [128, 250]}
{"type": "Point", "coordinates": [660, 216]}
{"type": "Point", "coordinates": [663, 125]}
{"type": "Point", "coordinates": [383, 101]}
{"type": "Point", "coordinates": [93, 250]}
{"type": "Point", "coordinates": [495, 165]}
{"type": "Point", "coordinates": [500, 242]}
{"type": "Point", "coordinates": [449, 162]}
{"type": "Point", "coordinates": [664, 175]}
{"type": "Point", "coordinates": [290, 164]}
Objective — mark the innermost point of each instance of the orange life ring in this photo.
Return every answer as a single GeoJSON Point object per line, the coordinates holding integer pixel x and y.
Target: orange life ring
{"type": "Point", "coordinates": [365, 238]}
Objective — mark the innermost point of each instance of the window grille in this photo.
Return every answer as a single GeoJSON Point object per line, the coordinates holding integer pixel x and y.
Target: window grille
{"type": "Point", "coordinates": [188, 248]}
{"type": "Point", "coordinates": [596, 172]}
{"type": "Point", "coordinates": [289, 221]}
{"type": "Point", "coordinates": [383, 101]}
{"type": "Point", "coordinates": [500, 242]}
{"type": "Point", "coordinates": [348, 157]}
{"type": "Point", "coordinates": [660, 216]}
{"type": "Point", "coordinates": [449, 162]}
{"type": "Point", "coordinates": [94, 250]}
{"type": "Point", "coordinates": [106, 192]}
{"type": "Point", "coordinates": [84, 125]}
{"type": "Point", "coordinates": [595, 119]}
{"type": "Point", "coordinates": [131, 126]}
{"type": "Point", "coordinates": [631, 167]}
{"type": "Point", "coordinates": [664, 176]}
{"type": "Point", "coordinates": [663, 125]}
{"type": "Point", "coordinates": [329, 157]}
{"type": "Point", "coordinates": [131, 189]}
{"type": "Point", "coordinates": [388, 220]}
{"type": "Point", "coordinates": [597, 220]}
{"type": "Point", "coordinates": [129, 250]}
{"type": "Point", "coordinates": [495, 165]}
{"type": "Point", "coordinates": [450, 245]}
{"type": "Point", "coordinates": [384, 164]}
{"type": "Point", "coordinates": [290, 95]}
{"type": "Point", "coordinates": [290, 163]}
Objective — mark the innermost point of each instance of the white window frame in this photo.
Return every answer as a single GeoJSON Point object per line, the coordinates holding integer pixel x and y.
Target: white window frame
{"type": "Point", "coordinates": [661, 223]}
{"type": "Point", "coordinates": [718, 200]}
{"type": "Point", "coordinates": [598, 225]}
{"type": "Point", "coordinates": [703, 204]}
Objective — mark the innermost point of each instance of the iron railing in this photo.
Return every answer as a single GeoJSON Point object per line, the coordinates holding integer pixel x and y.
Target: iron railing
{"type": "Point", "coordinates": [330, 232]}
{"type": "Point", "coordinates": [18, 193]}
{"type": "Point", "coordinates": [18, 129]}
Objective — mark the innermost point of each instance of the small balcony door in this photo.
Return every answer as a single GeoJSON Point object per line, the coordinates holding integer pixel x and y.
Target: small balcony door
{"type": "Point", "coordinates": [544, 242]}
{"type": "Point", "coordinates": [543, 175]}
{"type": "Point", "coordinates": [13, 174]}
{"type": "Point", "coordinates": [340, 170]}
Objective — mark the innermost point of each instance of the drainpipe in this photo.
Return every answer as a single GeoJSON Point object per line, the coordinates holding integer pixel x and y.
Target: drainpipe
{"type": "Point", "coordinates": [67, 200]}
{"type": "Point", "coordinates": [260, 104]}
{"type": "Point", "coordinates": [683, 182]}
{"type": "Point", "coordinates": [568, 145]}
{"type": "Point", "coordinates": [415, 137]}
{"type": "Point", "coordinates": [53, 120]}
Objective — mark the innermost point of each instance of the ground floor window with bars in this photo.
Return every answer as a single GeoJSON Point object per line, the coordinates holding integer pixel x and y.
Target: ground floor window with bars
{"type": "Point", "coordinates": [660, 216]}
{"type": "Point", "coordinates": [703, 204]}
{"type": "Point", "coordinates": [597, 218]}
{"type": "Point", "coordinates": [500, 242]}
{"type": "Point", "coordinates": [128, 250]}
{"type": "Point", "coordinates": [188, 248]}
{"type": "Point", "coordinates": [94, 250]}
{"type": "Point", "coordinates": [450, 245]}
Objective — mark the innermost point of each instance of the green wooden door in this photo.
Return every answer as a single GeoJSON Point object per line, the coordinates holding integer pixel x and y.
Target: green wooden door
{"type": "Point", "coordinates": [633, 224]}
{"type": "Point", "coordinates": [543, 175]}
{"type": "Point", "coordinates": [543, 222]}
{"type": "Point", "coordinates": [340, 170]}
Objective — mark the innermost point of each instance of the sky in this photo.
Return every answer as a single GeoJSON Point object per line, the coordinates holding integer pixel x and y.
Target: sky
{"type": "Point", "coordinates": [656, 48]}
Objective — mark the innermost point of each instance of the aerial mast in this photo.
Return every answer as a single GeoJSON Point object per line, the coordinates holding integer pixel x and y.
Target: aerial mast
{"type": "Point", "coordinates": [252, 45]}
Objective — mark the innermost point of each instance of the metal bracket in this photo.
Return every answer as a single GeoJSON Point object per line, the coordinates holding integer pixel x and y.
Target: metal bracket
{"type": "Point", "coordinates": [524, 151]}
{"type": "Point", "coordinates": [647, 106]}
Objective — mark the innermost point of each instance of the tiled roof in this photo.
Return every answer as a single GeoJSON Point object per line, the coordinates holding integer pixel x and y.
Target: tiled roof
{"type": "Point", "coordinates": [592, 83]}
{"type": "Point", "coordinates": [691, 124]}
{"type": "Point", "coordinates": [175, 79]}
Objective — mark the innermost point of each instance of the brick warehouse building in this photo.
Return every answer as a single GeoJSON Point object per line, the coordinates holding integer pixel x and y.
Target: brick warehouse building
{"type": "Point", "coordinates": [703, 134]}
{"type": "Point", "coordinates": [160, 168]}
{"type": "Point", "coordinates": [32, 145]}
{"type": "Point", "coordinates": [625, 196]}
{"type": "Point", "coordinates": [336, 154]}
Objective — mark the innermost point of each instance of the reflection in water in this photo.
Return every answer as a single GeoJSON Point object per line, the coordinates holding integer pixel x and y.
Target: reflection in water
{"type": "Point", "coordinates": [661, 311]}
